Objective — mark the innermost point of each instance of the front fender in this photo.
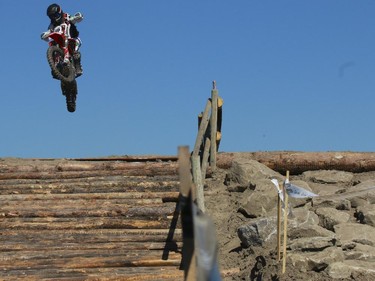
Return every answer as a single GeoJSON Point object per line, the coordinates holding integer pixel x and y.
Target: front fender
{"type": "Point", "coordinates": [58, 38]}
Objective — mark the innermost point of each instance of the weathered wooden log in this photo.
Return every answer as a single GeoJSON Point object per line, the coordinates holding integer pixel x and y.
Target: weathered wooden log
{"type": "Point", "coordinates": [298, 162]}
{"type": "Point", "coordinates": [88, 236]}
{"type": "Point", "coordinates": [109, 274]}
{"type": "Point", "coordinates": [84, 223]}
{"type": "Point", "coordinates": [159, 196]}
{"type": "Point", "coordinates": [41, 187]}
{"type": "Point", "coordinates": [51, 245]}
{"type": "Point", "coordinates": [66, 166]}
{"type": "Point", "coordinates": [98, 180]}
{"type": "Point", "coordinates": [130, 169]}
{"type": "Point", "coordinates": [42, 260]}
{"type": "Point", "coordinates": [89, 209]}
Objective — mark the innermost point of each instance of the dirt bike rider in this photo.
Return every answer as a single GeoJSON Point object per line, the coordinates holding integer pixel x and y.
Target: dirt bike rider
{"type": "Point", "coordinates": [57, 17]}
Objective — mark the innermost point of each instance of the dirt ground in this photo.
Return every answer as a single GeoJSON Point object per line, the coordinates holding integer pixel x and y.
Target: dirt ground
{"type": "Point", "coordinates": [253, 263]}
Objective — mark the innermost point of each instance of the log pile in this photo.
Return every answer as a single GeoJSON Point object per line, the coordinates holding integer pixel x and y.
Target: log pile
{"type": "Point", "coordinates": [99, 219]}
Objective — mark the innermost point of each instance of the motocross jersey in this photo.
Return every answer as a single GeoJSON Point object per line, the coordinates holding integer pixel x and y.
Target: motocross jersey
{"type": "Point", "coordinates": [78, 17]}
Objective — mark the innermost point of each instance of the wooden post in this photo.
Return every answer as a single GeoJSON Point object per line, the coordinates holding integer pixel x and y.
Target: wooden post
{"type": "Point", "coordinates": [197, 177]}
{"type": "Point", "coordinates": [206, 154]}
{"type": "Point", "coordinates": [203, 124]}
{"type": "Point", "coordinates": [214, 101]}
{"type": "Point", "coordinates": [279, 207]}
{"type": "Point", "coordinates": [188, 253]}
{"type": "Point", "coordinates": [285, 223]}
{"type": "Point", "coordinates": [184, 170]}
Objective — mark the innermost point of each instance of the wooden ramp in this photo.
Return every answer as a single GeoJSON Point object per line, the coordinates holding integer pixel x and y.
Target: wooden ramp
{"type": "Point", "coordinates": [90, 219]}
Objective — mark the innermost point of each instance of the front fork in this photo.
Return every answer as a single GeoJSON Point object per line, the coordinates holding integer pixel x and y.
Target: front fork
{"type": "Point", "coordinates": [66, 52]}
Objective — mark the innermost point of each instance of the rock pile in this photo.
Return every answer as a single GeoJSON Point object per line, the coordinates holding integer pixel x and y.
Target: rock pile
{"type": "Point", "coordinates": [333, 234]}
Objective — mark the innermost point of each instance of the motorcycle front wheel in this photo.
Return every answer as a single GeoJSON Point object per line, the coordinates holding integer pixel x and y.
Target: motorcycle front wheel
{"type": "Point", "coordinates": [62, 71]}
{"type": "Point", "coordinates": [70, 91]}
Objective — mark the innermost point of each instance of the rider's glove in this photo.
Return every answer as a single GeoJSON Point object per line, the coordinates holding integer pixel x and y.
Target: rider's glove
{"type": "Point", "coordinates": [44, 35]}
{"type": "Point", "coordinates": [78, 17]}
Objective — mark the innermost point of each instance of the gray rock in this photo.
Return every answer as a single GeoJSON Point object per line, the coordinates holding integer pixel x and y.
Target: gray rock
{"type": "Point", "coordinates": [261, 230]}
{"type": "Point", "coordinates": [302, 217]}
{"type": "Point", "coordinates": [316, 261]}
{"type": "Point", "coordinates": [329, 217]}
{"type": "Point", "coordinates": [364, 191]}
{"type": "Point", "coordinates": [328, 176]}
{"type": "Point", "coordinates": [348, 233]}
{"type": "Point", "coordinates": [332, 202]}
{"type": "Point", "coordinates": [257, 232]}
{"type": "Point", "coordinates": [309, 231]}
{"type": "Point", "coordinates": [311, 243]}
{"type": "Point", "coordinates": [259, 202]}
{"type": "Point", "coordinates": [246, 173]}
{"type": "Point", "coordinates": [351, 269]}
{"type": "Point", "coordinates": [360, 252]}
{"type": "Point", "coordinates": [366, 214]}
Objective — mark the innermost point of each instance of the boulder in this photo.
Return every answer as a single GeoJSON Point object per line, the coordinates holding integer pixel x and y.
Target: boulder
{"type": "Point", "coordinates": [302, 217]}
{"type": "Point", "coordinates": [261, 230]}
{"type": "Point", "coordinates": [311, 243]}
{"type": "Point", "coordinates": [360, 252]}
{"type": "Point", "coordinates": [362, 193]}
{"type": "Point", "coordinates": [329, 217]}
{"type": "Point", "coordinates": [257, 232]}
{"type": "Point", "coordinates": [328, 177]}
{"type": "Point", "coordinates": [332, 202]}
{"type": "Point", "coordinates": [316, 261]}
{"type": "Point", "coordinates": [366, 214]}
{"type": "Point", "coordinates": [245, 173]}
{"type": "Point", "coordinates": [259, 202]}
{"type": "Point", "coordinates": [309, 231]}
{"type": "Point", "coordinates": [351, 269]}
{"type": "Point", "coordinates": [347, 233]}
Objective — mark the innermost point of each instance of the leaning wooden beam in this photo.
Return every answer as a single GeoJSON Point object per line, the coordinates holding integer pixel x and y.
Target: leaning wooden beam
{"type": "Point", "coordinates": [206, 154]}
{"type": "Point", "coordinates": [198, 181]}
{"type": "Point", "coordinates": [213, 123]}
{"type": "Point", "coordinates": [203, 124]}
{"type": "Point", "coordinates": [298, 162]}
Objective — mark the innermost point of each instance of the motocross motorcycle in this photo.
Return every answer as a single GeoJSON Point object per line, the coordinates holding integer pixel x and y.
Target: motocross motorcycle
{"type": "Point", "coordinates": [60, 59]}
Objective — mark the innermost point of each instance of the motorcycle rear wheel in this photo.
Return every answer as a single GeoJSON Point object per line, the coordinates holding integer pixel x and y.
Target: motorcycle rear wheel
{"type": "Point", "coordinates": [63, 72]}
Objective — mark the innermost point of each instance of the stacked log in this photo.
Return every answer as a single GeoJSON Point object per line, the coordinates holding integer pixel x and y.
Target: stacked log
{"type": "Point", "coordinates": [106, 219]}
{"type": "Point", "coordinates": [298, 162]}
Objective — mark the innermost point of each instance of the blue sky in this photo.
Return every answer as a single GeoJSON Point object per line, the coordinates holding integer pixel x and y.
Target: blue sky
{"type": "Point", "coordinates": [294, 75]}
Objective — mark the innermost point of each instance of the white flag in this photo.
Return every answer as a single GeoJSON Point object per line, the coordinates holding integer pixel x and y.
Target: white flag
{"type": "Point", "coordinates": [292, 190]}
{"type": "Point", "coordinates": [279, 191]}
{"type": "Point", "coordinates": [296, 191]}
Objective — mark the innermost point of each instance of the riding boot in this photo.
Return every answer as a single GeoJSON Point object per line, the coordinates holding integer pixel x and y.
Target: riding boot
{"type": "Point", "coordinates": [77, 63]}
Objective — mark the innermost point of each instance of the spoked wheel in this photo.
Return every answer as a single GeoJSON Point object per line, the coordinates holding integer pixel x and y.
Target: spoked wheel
{"type": "Point", "coordinates": [62, 71]}
{"type": "Point", "coordinates": [70, 91]}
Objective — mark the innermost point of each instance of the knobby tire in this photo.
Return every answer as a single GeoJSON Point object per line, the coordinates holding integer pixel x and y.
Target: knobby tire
{"type": "Point", "coordinates": [68, 68]}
